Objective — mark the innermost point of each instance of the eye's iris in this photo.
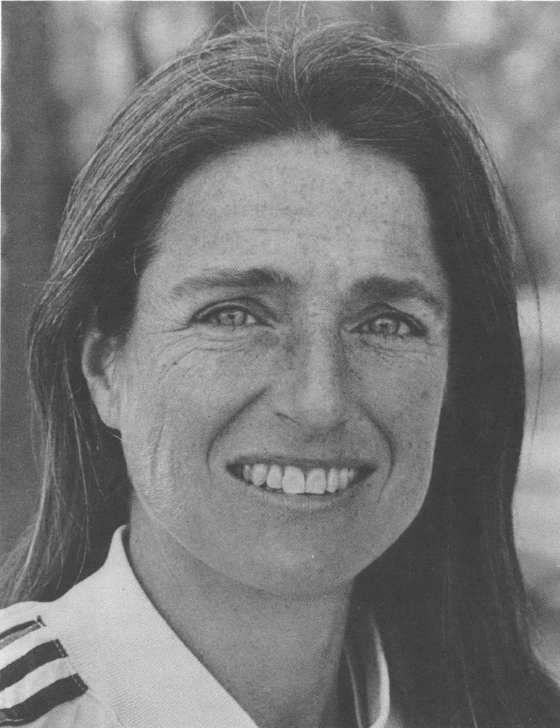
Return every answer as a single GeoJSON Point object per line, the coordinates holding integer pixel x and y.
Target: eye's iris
{"type": "Point", "coordinates": [386, 325]}
{"type": "Point", "coordinates": [232, 317]}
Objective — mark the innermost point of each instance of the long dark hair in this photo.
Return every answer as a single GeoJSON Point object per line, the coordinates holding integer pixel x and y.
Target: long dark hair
{"type": "Point", "coordinates": [448, 595]}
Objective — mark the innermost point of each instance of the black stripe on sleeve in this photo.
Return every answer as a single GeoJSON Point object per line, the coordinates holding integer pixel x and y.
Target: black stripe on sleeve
{"type": "Point", "coordinates": [43, 701]}
{"type": "Point", "coordinates": [14, 633]}
{"type": "Point", "coordinates": [17, 628]}
{"type": "Point", "coordinates": [37, 656]}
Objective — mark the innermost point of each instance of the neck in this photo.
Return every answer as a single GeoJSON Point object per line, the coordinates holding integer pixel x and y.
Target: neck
{"type": "Point", "coordinates": [277, 656]}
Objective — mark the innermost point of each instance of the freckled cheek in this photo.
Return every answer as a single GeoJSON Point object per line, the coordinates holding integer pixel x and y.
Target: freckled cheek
{"type": "Point", "coordinates": [419, 419]}
{"type": "Point", "coordinates": [220, 385]}
{"type": "Point", "coordinates": [408, 410]}
{"type": "Point", "coordinates": [406, 402]}
{"type": "Point", "coordinates": [179, 406]}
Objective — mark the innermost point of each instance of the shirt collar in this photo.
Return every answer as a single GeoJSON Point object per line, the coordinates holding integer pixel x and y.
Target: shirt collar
{"type": "Point", "coordinates": [369, 676]}
{"type": "Point", "coordinates": [131, 659]}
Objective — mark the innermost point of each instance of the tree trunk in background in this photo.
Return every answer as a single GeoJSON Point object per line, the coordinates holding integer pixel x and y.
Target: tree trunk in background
{"type": "Point", "coordinates": [33, 191]}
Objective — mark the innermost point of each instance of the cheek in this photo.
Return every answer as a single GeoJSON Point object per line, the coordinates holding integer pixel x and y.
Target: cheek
{"type": "Point", "coordinates": [418, 417]}
{"type": "Point", "coordinates": [407, 402]}
{"type": "Point", "coordinates": [173, 408]}
{"type": "Point", "coordinates": [415, 433]}
{"type": "Point", "coordinates": [405, 398]}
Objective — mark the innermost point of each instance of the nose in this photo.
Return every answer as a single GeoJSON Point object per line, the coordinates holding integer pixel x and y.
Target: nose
{"type": "Point", "coordinates": [313, 392]}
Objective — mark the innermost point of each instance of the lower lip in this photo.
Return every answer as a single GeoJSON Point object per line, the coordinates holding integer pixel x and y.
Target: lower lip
{"type": "Point", "coordinates": [302, 501]}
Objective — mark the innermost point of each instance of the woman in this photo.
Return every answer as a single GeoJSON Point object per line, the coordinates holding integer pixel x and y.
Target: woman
{"type": "Point", "coordinates": [279, 372]}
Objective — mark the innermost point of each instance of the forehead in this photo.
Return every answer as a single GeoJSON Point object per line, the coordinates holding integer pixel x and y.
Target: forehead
{"type": "Point", "coordinates": [301, 205]}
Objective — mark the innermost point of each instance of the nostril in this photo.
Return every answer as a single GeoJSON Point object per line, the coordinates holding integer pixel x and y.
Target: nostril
{"type": "Point", "coordinates": [313, 432]}
{"type": "Point", "coordinates": [284, 416]}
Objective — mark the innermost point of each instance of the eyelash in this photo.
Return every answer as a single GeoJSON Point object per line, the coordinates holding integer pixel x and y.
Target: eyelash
{"type": "Point", "coordinates": [206, 316]}
{"type": "Point", "coordinates": [415, 329]}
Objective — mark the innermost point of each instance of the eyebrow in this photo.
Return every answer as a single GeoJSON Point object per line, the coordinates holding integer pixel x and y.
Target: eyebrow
{"type": "Point", "coordinates": [252, 278]}
{"type": "Point", "coordinates": [374, 287]}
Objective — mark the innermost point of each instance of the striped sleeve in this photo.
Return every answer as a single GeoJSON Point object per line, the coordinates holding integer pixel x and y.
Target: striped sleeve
{"type": "Point", "coordinates": [35, 672]}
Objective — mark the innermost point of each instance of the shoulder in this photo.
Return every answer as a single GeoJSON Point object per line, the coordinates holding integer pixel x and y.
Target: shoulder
{"type": "Point", "coordinates": [38, 684]}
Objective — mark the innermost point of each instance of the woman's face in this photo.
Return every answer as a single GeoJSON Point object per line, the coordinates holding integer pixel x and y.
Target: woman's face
{"type": "Point", "coordinates": [292, 327]}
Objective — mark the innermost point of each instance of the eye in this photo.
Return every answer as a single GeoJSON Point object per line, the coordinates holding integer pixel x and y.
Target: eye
{"type": "Point", "coordinates": [228, 316]}
{"type": "Point", "coordinates": [388, 325]}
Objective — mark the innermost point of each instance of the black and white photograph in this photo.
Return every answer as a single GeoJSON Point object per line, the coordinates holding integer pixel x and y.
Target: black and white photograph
{"type": "Point", "coordinates": [280, 385]}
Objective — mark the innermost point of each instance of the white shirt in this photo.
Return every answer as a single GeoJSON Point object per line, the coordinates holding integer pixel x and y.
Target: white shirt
{"type": "Point", "coordinates": [101, 656]}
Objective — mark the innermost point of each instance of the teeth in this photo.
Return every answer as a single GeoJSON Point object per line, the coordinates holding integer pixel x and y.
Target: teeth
{"type": "Point", "coordinates": [332, 480]}
{"type": "Point", "coordinates": [294, 481]}
{"type": "Point", "coordinates": [274, 478]}
{"type": "Point", "coordinates": [259, 473]}
{"type": "Point", "coordinates": [316, 482]}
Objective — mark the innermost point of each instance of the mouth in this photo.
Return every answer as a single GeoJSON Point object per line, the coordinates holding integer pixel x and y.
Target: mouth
{"type": "Point", "coordinates": [311, 479]}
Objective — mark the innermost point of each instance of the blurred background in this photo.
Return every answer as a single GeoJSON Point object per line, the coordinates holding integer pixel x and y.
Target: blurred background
{"type": "Point", "coordinates": [67, 66]}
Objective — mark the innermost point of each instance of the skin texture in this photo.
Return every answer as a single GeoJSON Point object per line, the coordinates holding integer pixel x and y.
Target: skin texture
{"type": "Point", "coordinates": [316, 369]}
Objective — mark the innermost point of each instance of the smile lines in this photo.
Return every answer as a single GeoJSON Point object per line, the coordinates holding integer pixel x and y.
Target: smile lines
{"type": "Point", "coordinates": [295, 481]}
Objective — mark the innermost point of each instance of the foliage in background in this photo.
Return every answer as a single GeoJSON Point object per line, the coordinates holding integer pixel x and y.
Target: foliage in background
{"type": "Point", "coordinates": [504, 56]}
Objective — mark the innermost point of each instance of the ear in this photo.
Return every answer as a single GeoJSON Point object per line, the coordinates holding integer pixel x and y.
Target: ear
{"type": "Point", "coordinates": [100, 368]}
